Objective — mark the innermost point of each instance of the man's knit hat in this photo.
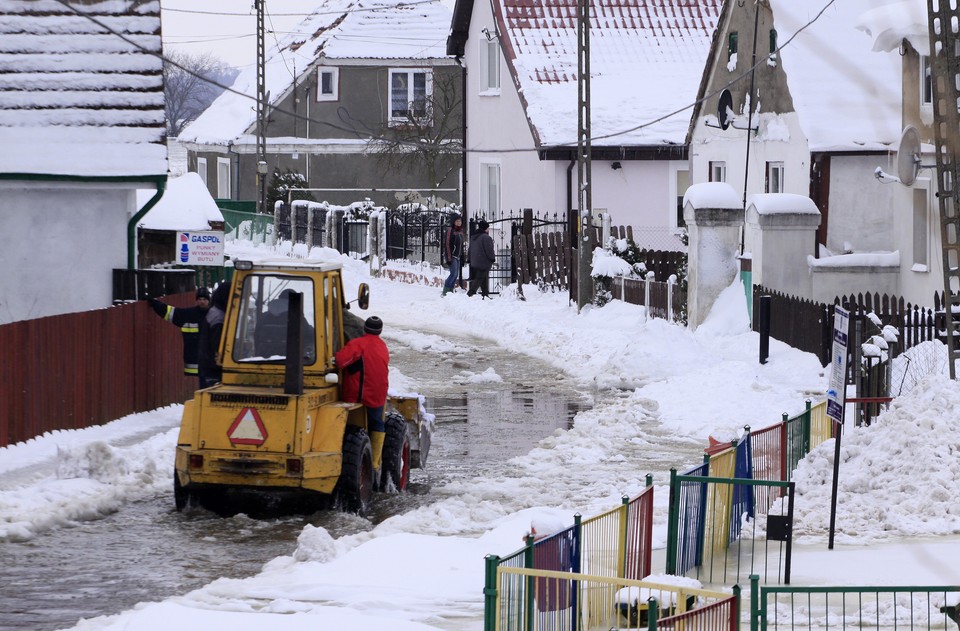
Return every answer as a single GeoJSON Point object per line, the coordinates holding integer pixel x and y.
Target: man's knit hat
{"type": "Point", "coordinates": [373, 325]}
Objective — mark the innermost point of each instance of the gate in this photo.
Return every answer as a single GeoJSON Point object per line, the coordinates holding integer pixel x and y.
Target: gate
{"type": "Point", "coordinates": [504, 229]}
{"type": "Point", "coordinates": [416, 233]}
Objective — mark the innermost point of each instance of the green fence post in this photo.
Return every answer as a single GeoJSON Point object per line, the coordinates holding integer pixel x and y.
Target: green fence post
{"type": "Point", "coordinates": [491, 563]}
{"type": "Point", "coordinates": [806, 429]}
{"type": "Point", "coordinates": [673, 524]}
{"type": "Point", "coordinates": [649, 479]}
{"type": "Point", "coordinates": [754, 602]}
{"type": "Point", "coordinates": [528, 563]}
{"type": "Point", "coordinates": [653, 611]}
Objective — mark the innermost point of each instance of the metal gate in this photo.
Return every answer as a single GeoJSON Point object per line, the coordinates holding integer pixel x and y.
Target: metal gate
{"type": "Point", "coordinates": [416, 234]}
{"type": "Point", "coordinates": [504, 228]}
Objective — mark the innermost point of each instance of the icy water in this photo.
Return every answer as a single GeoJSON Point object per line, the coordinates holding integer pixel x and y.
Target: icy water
{"type": "Point", "coordinates": [148, 552]}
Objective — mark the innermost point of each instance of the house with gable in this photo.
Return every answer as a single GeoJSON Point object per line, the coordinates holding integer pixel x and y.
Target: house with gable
{"type": "Point", "coordinates": [794, 100]}
{"type": "Point", "coordinates": [82, 128]}
{"type": "Point", "coordinates": [646, 60]}
{"type": "Point", "coordinates": [899, 31]}
{"type": "Point", "coordinates": [351, 73]}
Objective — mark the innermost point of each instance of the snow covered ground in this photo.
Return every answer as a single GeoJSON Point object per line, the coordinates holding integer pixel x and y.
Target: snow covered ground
{"type": "Point", "coordinates": [898, 518]}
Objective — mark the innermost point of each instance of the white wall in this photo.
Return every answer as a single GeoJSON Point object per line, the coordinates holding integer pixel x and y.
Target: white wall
{"type": "Point", "coordinates": [861, 208]}
{"type": "Point", "coordinates": [61, 244]}
{"type": "Point", "coordinates": [498, 122]}
{"type": "Point", "coordinates": [778, 139]}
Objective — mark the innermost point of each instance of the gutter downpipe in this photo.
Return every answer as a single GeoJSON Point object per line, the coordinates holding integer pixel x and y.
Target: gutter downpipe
{"type": "Point", "coordinates": [569, 209]}
{"type": "Point", "coordinates": [161, 183]}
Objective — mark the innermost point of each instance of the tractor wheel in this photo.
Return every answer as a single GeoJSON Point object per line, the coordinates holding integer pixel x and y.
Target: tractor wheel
{"type": "Point", "coordinates": [396, 453]}
{"type": "Point", "coordinates": [355, 487]}
{"type": "Point", "coordinates": [181, 496]}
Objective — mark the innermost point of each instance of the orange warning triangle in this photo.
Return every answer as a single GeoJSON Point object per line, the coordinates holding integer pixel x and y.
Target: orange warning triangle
{"type": "Point", "coordinates": [248, 428]}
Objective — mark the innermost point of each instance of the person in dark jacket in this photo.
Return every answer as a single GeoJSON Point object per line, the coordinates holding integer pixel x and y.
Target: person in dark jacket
{"type": "Point", "coordinates": [211, 327]}
{"type": "Point", "coordinates": [364, 362]}
{"type": "Point", "coordinates": [453, 249]}
{"type": "Point", "coordinates": [482, 258]}
{"type": "Point", "coordinates": [188, 320]}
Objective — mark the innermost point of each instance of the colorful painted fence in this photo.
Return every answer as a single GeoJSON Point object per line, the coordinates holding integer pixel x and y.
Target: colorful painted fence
{"type": "Point", "coordinates": [725, 512]}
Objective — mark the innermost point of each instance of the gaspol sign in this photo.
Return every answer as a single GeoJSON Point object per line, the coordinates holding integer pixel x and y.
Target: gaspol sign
{"type": "Point", "coordinates": [203, 247]}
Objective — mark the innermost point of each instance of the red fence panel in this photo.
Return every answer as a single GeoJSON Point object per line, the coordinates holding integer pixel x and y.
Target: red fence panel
{"type": "Point", "coordinates": [80, 369]}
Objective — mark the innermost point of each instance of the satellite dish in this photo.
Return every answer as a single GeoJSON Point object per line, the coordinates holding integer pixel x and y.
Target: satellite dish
{"type": "Point", "coordinates": [724, 108]}
{"type": "Point", "coordinates": [908, 156]}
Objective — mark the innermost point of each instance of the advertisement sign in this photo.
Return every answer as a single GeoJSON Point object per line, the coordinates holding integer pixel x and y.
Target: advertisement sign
{"type": "Point", "coordinates": [203, 247]}
{"type": "Point", "coordinates": [837, 393]}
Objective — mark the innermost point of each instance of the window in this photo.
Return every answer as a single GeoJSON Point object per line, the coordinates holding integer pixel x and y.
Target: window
{"type": "Point", "coordinates": [920, 228]}
{"type": "Point", "coordinates": [410, 92]}
{"type": "Point", "coordinates": [202, 169]}
{"type": "Point", "coordinates": [223, 178]}
{"type": "Point", "coordinates": [732, 45]}
{"type": "Point", "coordinates": [328, 84]}
{"type": "Point", "coordinates": [682, 183]}
{"type": "Point", "coordinates": [490, 189]}
{"type": "Point", "coordinates": [263, 310]}
{"type": "Point", "coordinates": [773, 47]}
{"type": "Point", "coordinates": [718, 171]}
{"type": "Point", "coordinates": [926, 81]}
{"type": "Point", "coordinates": [774, 177]}
{"type": "Point", "coordinates": [490, 67]}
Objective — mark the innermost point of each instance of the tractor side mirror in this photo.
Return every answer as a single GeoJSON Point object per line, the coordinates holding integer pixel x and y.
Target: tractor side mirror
{"type": "Point", "coordinates": [363, 296]}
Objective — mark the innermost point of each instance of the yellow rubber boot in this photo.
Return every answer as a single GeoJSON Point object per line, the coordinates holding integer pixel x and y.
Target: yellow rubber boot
{"type": "Point", "coordinates": [376, 446]}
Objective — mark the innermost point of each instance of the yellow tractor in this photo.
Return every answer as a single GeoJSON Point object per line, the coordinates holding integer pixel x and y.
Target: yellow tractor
{"type": "Point", "coordinates": [275, 430]}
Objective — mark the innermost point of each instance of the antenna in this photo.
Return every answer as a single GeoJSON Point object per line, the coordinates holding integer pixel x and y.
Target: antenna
{"type": "Point", "coordinates": [724, 108]}
{"type": "Point", "coordinates": [908, 156]}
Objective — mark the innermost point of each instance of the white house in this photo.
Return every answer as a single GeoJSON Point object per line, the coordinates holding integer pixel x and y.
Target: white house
{"type": "Point", "coordinates": [899, 32]}
{"type": "Point", "coordinates": [82, 128]}
{"type": "Point", "coordinates": [794, 100]}
{"type": "Point", "coordinates": [646, 60]}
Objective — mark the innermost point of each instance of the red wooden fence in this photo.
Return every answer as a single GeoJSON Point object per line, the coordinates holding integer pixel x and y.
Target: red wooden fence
{"type": "Point", "coordinates": [81, 369]}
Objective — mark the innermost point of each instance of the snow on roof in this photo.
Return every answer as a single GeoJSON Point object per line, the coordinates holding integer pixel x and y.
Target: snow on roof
{"type": "Point", "coordinates": [846, 96]}
{"type": "Point", "coordinates": [891, 24]}
{"type": "Point", "coordinates": [76, 99]}
{"type": "Point", "coordinates": [186, 205]}
{"type": "Point", "coordinates": [337, 30]}
{"type": "Point", "coordinates": [646, 61]}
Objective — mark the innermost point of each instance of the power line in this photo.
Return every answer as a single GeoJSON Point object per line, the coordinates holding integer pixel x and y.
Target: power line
{"type": "Point", "coordinates": [375, 137]}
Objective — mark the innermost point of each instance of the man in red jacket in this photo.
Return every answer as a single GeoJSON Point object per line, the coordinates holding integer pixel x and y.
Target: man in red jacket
{"type": "Point", "coordinates": [364, 363]}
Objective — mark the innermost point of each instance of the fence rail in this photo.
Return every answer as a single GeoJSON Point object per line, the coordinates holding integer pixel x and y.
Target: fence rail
{"type": "Point", "coordinates": [854, 607]}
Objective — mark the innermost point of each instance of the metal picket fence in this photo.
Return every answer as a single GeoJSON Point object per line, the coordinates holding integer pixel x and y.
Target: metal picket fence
{"type": "Point", "coordinates": [913, 607]}
{"type": "Point", "coordinates": [614, 544]}
{"type": "Point", "coordinates": [725, 512]}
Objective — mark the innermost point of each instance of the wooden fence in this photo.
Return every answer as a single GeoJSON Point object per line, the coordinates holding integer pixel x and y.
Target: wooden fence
{"type": "Point", "coordinates": [808, 326]}
{"type": "Point", "coordinates": [548, 258]}
{"type": "Point", "coordinates": [80, 369]}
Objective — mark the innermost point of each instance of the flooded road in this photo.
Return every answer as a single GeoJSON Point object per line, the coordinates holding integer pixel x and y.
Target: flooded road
{"type": "Point", "coordinates": [490, 406]}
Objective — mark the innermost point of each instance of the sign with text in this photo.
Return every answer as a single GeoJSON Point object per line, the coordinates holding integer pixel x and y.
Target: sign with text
{"type": "Point", "coordinates": [203, 247]}
{"type": "Point", "coordinates": [837, 394]}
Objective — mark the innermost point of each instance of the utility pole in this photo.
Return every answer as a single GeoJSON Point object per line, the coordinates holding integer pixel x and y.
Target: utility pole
{"type": "Point", "coordinates": [584, 196]}
{"type": "Point", "coordinates": [945, 69]}
{"type": "Point", "coordinates": [261, 109]}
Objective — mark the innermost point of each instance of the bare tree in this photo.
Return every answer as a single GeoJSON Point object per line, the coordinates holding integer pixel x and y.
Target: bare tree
{"type": "Point", "coordinates": [430, 136]}
{"type": "Point", "coordinates": [189, 86]}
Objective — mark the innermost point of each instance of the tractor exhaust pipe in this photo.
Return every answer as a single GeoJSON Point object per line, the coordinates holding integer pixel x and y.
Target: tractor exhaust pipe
{"type": "Point", "coordinates": [293, 366]}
